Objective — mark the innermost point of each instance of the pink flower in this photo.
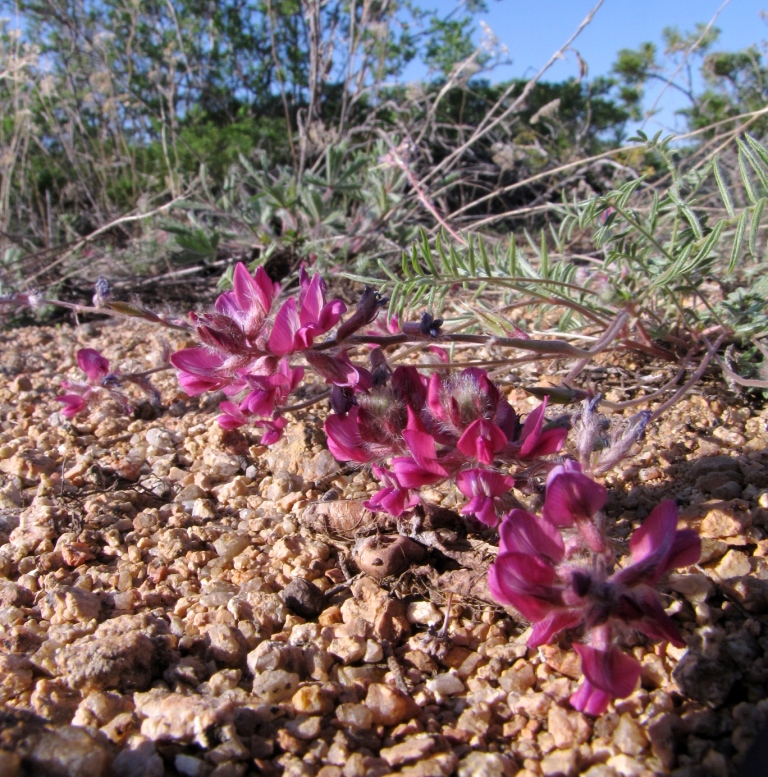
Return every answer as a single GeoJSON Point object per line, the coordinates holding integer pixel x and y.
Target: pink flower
{"type": "Point", "coordinates": [482, 487]}
{"type": "Point", "coordinates": [422, 468]}
{"type": "Point", "coordinates": [338, 370]}
{"type": "Point", "coordinates": [573, 498]}
{"type": "Point", "coordinates": [232, 417]}
{"type": "Point", "coordinates": [73, 403]}
{"type": "Point", "coordinates": [199, 370]}
{"type": "Point", "coordinates": [534, 441]}
{"type": "Point", "coordinates": [273, 430]}
{"type": "Point", "coordinates": [250, 300]}
{"type": "Point", "coordinates": [608, 674]}
{"type": "Point", "coordinates": [393, 498]}
{"type": "Point", "coordinates": [93, 364]}
{"type": "Point", "coordinates": [96, 369]}
{"type": "Point", "coordinates": [344, 439]}
{"type": "Point", "coordinates": [297, 324]}
{"type": "Point", "coordinates": [659, 546]}
{"type": "Point", "coordinates": [534, 574]}
{"type": "Point", "coordinates": [482, 440]}
{"type": "Point", "coordinates": [271, 390]}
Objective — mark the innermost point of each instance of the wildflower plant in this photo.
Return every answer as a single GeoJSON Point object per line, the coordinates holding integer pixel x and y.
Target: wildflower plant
{"type": "Point", "coordinates": [559, 571]}
{"type": "Point", "coordinates": [445, 428]}
{"type": "Point", "coordinates": [100, 380]}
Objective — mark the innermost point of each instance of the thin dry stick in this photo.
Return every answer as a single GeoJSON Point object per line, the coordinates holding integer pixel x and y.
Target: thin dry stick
{"type": "Point", "coordinates": [731, 374]}
{"type": "Point", "coordinates": [486, 125]}
{"type": "Point", "coordinates": [682, 62]}
{"type": "Point", "coordinates": [691, 382]}
{"type": "Point", "coordinates": [88, 238]}
{"type": "Point", "coordinates": [279, 74]}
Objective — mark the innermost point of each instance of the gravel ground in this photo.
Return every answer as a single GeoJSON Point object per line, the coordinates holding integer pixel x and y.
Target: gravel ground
{"type": "Point", "coordinates": [154, 619]}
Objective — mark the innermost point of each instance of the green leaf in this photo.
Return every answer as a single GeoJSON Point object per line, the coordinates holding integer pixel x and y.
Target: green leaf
{"type": "Point", "coordinates": [687, 213]}
{"type": "Point", "coordinates": [738, 239]}
{"type": "Point", "coordinates": [755, 225]}
{"type": "Point", "coordinates": [544, 266]}
{"type": "Point", "coordinates": [484, 258]}
{"type": "Point", "coordinates": [748, 185]}
{"type": "Point", "coordinates": [725, 195]}
{"type": "Point", "coordinates": [388, 272]}
{"type": "Point", "coordinates": [512, 268]}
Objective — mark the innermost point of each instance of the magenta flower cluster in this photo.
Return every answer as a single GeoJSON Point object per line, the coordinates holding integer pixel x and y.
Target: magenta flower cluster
{"type": "Point", "coordinates": [244, 349]}
{"type": "Point", "coordinates": [428, 430]}
{"type": "Point", "coordinates": [96, 369]}
{"type": "Point", "coordinates": [557, 570]}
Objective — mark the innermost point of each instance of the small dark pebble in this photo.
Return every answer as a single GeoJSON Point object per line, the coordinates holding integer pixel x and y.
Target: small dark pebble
{"type": "Point", "coordinates": [304, 598]}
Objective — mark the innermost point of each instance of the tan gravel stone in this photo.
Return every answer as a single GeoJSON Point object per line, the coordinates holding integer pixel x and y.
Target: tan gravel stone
{"type": "Point", "coordinates": [389, 706]}
{"type": "Point", "coordinates": [69, 751]}
{"type": "Point", "coordinates": [413, 749]}
{"type": "Point", "coordinates": [123, 662]}
{"type": "Point", "coordinates": [560, 763]}
{"type": "Point", "coordinates": [276, 685]}
{"type": "Point", "coordinates": [733, 564]}
{"type": "Point", "coordinates": [171, 716]}
{"type": "Point", "coordinates": [355, 716]}
{"type": "Point", "coordinates": [311, 700]}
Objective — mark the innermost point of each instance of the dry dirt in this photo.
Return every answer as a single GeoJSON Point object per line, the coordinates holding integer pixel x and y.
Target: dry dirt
{"type": "Point", "coordinates": [146, 629]}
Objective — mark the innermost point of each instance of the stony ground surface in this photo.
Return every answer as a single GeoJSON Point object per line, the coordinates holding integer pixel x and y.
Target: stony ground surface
{"type": "Point", "coordinates": [151, 622]}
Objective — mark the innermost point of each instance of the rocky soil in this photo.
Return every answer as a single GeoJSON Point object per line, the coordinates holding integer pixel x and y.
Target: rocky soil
{"type": "Point", "coordinates": [175, 600]}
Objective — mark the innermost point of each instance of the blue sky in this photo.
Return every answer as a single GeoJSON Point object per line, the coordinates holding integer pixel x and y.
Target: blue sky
{"type": "Point", "coordinates": [533, 30]}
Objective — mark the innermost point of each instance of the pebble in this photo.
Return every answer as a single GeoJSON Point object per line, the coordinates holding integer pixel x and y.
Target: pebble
{"type": "Point", "coordinates": [413, 749]}
{"type": "Point", "coordinates": [424, 613]}
{"type": "Point", "coordinates": [629, 737]}
{"type": "Point", "coordinates": [626, 766]}
{"type": "Point", "coordinates": [125, 662]}
{"type": "Point", "coordinates": [354, 716]}
{"type": "Point", "coordinates": [230, 545]}
{"type": "Point", "coordinates": [275, 686]}
{"type": "Point", "coordinates": [70, 751]}
{"type": "Point", "coordinates": [304, 598]}
{"type": "Point", "coordinates": [305, 726]}
{"type": "Point", "coordinates": [486, 764]}
{"type": "Point", "coordinates": [138, 759]}
{"type": "Point", "coordinates": [389, 706]}
{"type": "Point", "coordinates": [446, 684]}
{"type": "Point", "coordinates": [179, 718]}
{"type": "Point", "coordinates": [733, 564]}
{"type": "Point", "coordinates": [695, 587]}
{"type": "Point", "coordinates": [721, 519]}
{"type": "Point", "coordinates": [348, 649]}
{"type": "Point", "coordinates": [560, 763]}
{"type": "Point", "coordinates": [312, 700]}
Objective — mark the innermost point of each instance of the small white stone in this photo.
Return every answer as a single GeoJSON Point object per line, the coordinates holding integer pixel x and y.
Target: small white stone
{"type": "Point", "coordinates": [424, 613]}
{"type": "Point", "coordinates": [446, 684]}
{"type": "Point", "coordinates": [373, 652]}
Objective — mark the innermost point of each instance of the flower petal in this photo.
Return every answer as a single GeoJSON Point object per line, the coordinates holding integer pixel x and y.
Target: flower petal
{"type": "Point", "coordinates": [572, 497]}
{"type": "Point", "coordinates": [609, 669]}
{"type": "Point", "coordinates": [93, 364]}
{"type": "Point", "coordinates": [522, 532]}
{"type": "Point", "coordinates": [589, 699]}
{"type": "Point", "coordinates": [412, 474]}
{"type": "Point", "coordinates": [344, 440]}
{"type": "Point", "coordinates": [281, 340]}
{"type": "Point", "coordinates": [525, 582]}
{"type": "Point", "coordinates": [548, 628]}
{"type": "Point", "coordinates": [482, 440]}
{"type": "Point", "coordinates": [73, 404]}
